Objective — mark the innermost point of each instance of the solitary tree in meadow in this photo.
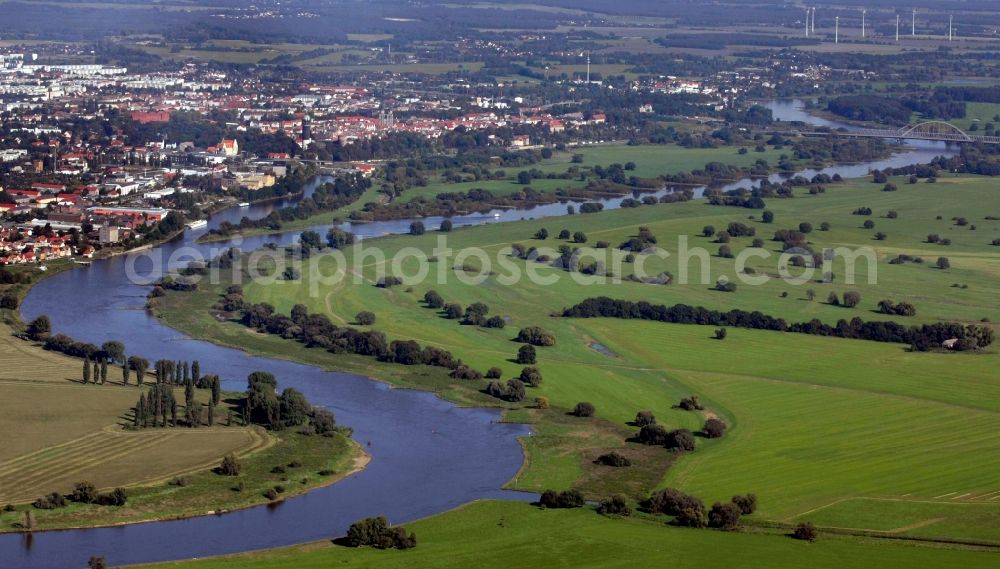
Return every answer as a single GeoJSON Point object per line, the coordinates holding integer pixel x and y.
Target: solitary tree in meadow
{"type": "Point", "coordinates": [526, 354]}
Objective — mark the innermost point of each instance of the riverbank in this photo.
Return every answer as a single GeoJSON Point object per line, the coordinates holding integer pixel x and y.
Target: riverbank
{"type": "Point", "coordinates": [501, 535]}
{"type": "Point", "coordinates": [323, 218]}
{"type": "Point", "coordinates": [11, 317]}
{"type": "Point", "coordinates": [655, 166]}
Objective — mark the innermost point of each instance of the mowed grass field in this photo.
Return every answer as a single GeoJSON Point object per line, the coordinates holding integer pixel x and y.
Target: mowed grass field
{"type": "Point", "coordinates": [815, 422]}
{"type": "Point", "coordinates": [501, 535]}
{"type": "Point", "coordinates": [58, 432]}
{"type": "Point", "coordinates": [818, 422]}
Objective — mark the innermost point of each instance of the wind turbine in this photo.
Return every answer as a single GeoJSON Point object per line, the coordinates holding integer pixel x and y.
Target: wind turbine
{"type": "Point", "coordinates": [951, 19]}
{"type": "Point", "coordinates": [863, 12]}
{"type": "Point", "coordinates": [836, 32]}
{"type": "Point", "coordinates": [807, 22]}
{"type": "Point", "coordinates": [897, 28]}
{"type": "Point", "coordinates": [913, 23]}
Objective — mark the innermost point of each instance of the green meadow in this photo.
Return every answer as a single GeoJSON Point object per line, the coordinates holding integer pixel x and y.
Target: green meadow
{"type": "Point", "coordinates": [501, 535]}
{"type": "Point", "coordinates": [864, 436]}
{"type": "Point", "coordinates": [650, 161]}
{"type": "Point", "coordinates": [979, 114]}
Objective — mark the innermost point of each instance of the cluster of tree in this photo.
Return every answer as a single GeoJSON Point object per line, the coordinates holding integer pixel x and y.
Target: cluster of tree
{"type": "Point", "coordinates": [317, 331]}
{"type": "Point", "coordinates": [172, 224]}
{"type": "Point", "coordinates": [750, 199]}
{"type": "Point", "coordinates": [152, 407]}
{"type": "Point", "coordinates": [904, 258]}
{"type": "Point", "coordinates": [474, 315]}
{"type": "Point", "coordinates": [83, 493]}
{"type": "Point", "coordinates": [921, 338]}
{"type": "Point", "coordinates": [836, 149]}
{"type": "Point", "coordinates": [567, 499]}
{"type": "Point", "coordinates": [614, 459]}
{"type": "Point", "coordinates": [263, 405]}
{"type": "Point", "coordinates": [99, 373]}
{"type": "Point", "coordinates": [376, 532]}
{"type": "Point", "coordinates": [388, 281]}
{"type": "Point", "coordinates": [449, 204]}
{"type": "Point", "coordinates": [851, 299]}
{"type": "Point", "coordinates": [179, 284]}
{"type": "Point", "coordinates": [690, 404]}
{"type": "Point", "coordinates": [230, 466]}
{"type": "Point", "coordinates": [657, 435]}
{"type": "Point", "coordinates": [38, 329]}
{"type": "Point", "coordinates": [179, 373]}
{"type": "Point", "coordinates": [643, 418]}
{"type": "Point", "coordinates": [86, 493]}
{"type": "Point", "coordinates": [9, 300]}
{"type": "Point", "coordinates": [513, 391]}
{"type": "Point", "coordinates": [871, 108]}
{"type": "Point", "coordinates": [689, 511]}
{"type": "Point", "coordinates": [900, 309]}
{"type": "Point", "coordinates": [615, 505]}
{"type": "Point", "coordinates": [568, 258]}
{"type": "Point", "coordinates": [471, 163]}
{"type": "Point", "coordinates": [805, 531]}
{"type": "Point", "coordinates": [343, 191]}
{"type": "Point", "coordinates": [536, 336]}
{"type": "Point", "coordinates": [641, 241]}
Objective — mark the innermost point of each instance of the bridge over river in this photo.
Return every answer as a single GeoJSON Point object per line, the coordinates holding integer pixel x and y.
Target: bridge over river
{"type": "Point", "coordinates": [940, 131]}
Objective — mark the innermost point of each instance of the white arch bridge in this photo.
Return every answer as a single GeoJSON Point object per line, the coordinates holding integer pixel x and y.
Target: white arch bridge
{"type": "Point", "coordinates": [928, 130]}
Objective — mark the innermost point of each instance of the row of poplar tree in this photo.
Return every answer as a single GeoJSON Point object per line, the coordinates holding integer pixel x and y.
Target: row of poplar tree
{"type": "Point", "coordinates": [158, 406]}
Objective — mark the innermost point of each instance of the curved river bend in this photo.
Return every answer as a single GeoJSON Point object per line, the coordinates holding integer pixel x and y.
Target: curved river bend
{"type": "Point", "coordinates": [428, 455]}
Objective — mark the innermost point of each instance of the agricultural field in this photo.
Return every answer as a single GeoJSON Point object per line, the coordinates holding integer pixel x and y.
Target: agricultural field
{"type": "Point", "coordinates": [318, 461]}
{"type": "Point", "coordinates": [818, 425]}
{"type": "Point", "coordinates": [508, 534]}
{"type": "Point", "coordinates": [59, 431]}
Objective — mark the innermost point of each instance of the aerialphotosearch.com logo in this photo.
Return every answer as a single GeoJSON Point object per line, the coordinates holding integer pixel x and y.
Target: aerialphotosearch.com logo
{"type": "Point", "coordinates": [323, 267]}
